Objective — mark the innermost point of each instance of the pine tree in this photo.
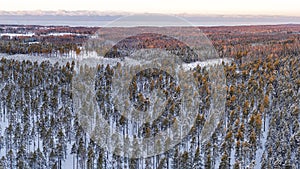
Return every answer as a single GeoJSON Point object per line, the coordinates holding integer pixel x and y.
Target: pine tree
{"type": "Point", "coordinates": [10, 159]}
{"type": "Point", "coordinates": [208, 158]}
{"type": "Point", "coordinates": [100, 161]}
{"type": "Point", "coordinates": [162, 163]}
{"type": "Point", "coordinates": [90, 160]}
{"type": "Point", "coordinates": [3, 162]}
{"type": "Point", "coordinates": [224, 161]}
{"type": "Point", "coordinates": [237, 165]}
{"type": "Point", "coordinates": [175, 163]}
{"type": "Point", "coordinates": [197, 164]}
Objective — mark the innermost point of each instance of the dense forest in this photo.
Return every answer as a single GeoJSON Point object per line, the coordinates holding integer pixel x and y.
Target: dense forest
{"type": "Point", "coordinates": [259, 128]}
{"type": "Point", "coordinates": [237, 42]}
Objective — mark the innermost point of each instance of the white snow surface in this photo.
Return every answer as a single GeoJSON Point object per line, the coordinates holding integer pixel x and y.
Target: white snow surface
{"type": "Point", "coordinates": [16, 34]}
{"type": "Point", "coordinates": [260, 151]}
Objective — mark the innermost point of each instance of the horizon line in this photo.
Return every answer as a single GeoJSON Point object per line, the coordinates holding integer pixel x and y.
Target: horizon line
{"type": "Point", "coordinates": [101, 13]}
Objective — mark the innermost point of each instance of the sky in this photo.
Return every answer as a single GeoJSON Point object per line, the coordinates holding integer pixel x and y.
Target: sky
{"type": "Point", "coordinates": [227, 7]}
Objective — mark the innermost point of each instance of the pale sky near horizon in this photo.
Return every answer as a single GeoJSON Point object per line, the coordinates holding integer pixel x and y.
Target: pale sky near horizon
{"type": "Point", "coordinates": [231, 7]}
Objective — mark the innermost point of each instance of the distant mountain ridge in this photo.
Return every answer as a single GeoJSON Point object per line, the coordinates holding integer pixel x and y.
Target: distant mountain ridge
{"type": "Point", "coordinates": [62, 13]}
{"type": "Point", "coordinates": [100, 18]}
{"type": "Point", "coordinates": [113, 13]}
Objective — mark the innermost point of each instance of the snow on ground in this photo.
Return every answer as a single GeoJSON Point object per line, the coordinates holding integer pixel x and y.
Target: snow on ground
{"type": "Point", "coordinates": [39, 59]}
{"type": "Point", "coordinates": [260, 151]}
{"type": "Point", "coordinates": [11, 35]}
{"type": "Point", "coordinates": [92, 59]}
{"type": "Point", "coordinates": [3, 126]}
{"type": "Point", "coordinates": [68, 162]}
{"type": "Point", "coordinates": [209, 62]}
{"type": "Point", "coordinates": [16, 34]}
{"type": "Point", "coordinates": [232, 157]}
{"type": "Point", "coordinates": [63, 34]}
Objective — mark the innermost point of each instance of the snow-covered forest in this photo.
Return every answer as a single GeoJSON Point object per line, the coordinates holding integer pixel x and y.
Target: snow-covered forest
{"type": "Point", "coordinates": [259, 128]}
